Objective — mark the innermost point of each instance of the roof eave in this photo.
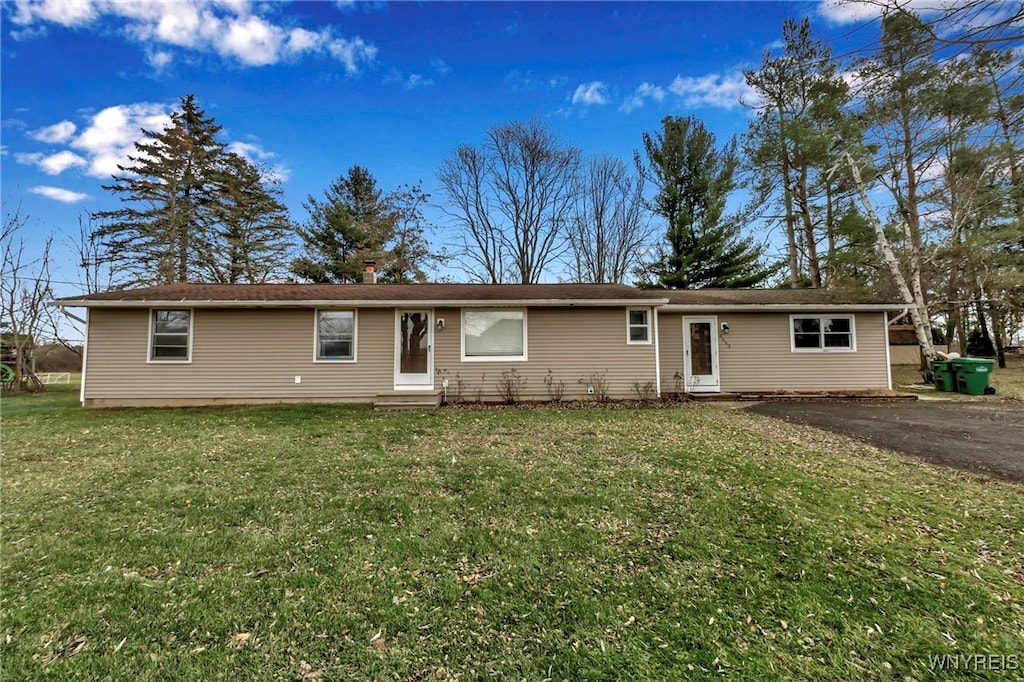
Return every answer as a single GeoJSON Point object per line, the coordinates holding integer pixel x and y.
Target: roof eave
{"type": "Point", "coordinates": [778, 307]}
{"type": "Point", "coordinates": [326, 303]}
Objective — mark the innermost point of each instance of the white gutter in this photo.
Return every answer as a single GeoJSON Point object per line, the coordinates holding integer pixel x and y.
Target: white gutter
{"type": "Point", "coordinates": [334, 302]}
{"type": "Point", "coordinates": [773, 307]}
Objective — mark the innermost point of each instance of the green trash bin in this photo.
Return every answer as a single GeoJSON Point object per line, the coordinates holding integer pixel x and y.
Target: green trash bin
{"type": "Point", "coordinates": [943, 375]}
{"type": "Point", "coordinates": [972, 375]}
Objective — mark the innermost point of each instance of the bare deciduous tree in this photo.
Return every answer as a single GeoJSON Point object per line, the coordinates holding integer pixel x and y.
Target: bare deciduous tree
{"type": "Point", "coordinates": [510, 200]}
{"type": "Point", "coordinates": [24, 294]}
{"type": "Point", "coordinates": [608, 227]}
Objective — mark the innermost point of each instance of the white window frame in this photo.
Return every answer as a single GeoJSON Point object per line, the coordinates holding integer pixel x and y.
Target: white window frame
{"type": "Point", "coordinates": [316, 335]}
{"type": "Point", "coordinates": [821, 333]}
{"type": "Point", "coordinates": [149, 341]}
{"type": "Point", "coordinates": [492, 358]}
{"type": "Point", "coordinates": [646, 326]}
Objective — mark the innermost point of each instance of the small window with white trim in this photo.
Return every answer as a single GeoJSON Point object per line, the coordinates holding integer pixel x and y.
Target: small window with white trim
{"type": "Point", "coordinates": [822, 334]}
{"type": "Point", "coordinates": [335, 335]}
{"type": "Point", "coordinates": [170, 336]}
{"type": "Point", "coordinates": [493, 335]}
{"type": "Point", "coordinates": [638, 325]}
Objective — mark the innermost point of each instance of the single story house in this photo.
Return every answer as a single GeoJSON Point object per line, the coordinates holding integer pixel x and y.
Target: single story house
{"type": "Point", "coordinates": [191, 344]}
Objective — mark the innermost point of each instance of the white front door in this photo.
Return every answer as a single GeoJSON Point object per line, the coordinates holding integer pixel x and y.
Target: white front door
{"type": "Point", "coordinates": [414, 349]}
{"type": "Point", "coordinates": [700, 354]}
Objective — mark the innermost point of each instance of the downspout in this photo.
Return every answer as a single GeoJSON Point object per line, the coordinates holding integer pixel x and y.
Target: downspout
{"type": "Point", "coordinates": [657, 355]}
{"type": "Point", "coordinates": [888, 358]}
{"type": "Point", "coordinates": [906, 311]}
{"type": "Point", "coordinates": [85, 354]}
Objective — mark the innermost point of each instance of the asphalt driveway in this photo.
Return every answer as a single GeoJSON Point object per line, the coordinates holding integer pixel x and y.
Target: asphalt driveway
{"type": "Point", "coordinates": [981, 438]}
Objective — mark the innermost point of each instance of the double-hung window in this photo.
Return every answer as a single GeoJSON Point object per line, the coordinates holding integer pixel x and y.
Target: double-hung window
{"type": "Point", "coordinates": [822, 334]}
{"type": "Point", "coordinates": [170, 336]}
{"type": "Point", "coordinates": [493, 335]}
{"type": "Point", "coordinates": [638, 325]}
{"type": "Point", "coordinates": [336, 335]}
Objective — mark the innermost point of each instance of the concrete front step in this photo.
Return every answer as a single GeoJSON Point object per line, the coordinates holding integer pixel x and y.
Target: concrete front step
{"type": "Point", "coordinates": [392, 401]}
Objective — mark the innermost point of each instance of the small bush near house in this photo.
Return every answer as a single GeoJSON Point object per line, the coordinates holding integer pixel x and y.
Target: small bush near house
{"type": "Point", "coordinates": [510, 386]}
{"type": "Point", "coordinates": [554, 387]}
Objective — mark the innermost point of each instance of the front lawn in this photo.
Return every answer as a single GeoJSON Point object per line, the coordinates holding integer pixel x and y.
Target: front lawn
{"type": "Point", "coordinates": [325, 542]}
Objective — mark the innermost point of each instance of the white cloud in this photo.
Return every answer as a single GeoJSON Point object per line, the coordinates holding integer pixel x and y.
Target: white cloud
{"type": "Point", "coordinates": [714, 90]}
{"type": "Point", "coordinates": [300, 40]}
{"type": "Point", "coordinates": [105, 143]}
{"type": "Point", "coordinates": [258, 155]}
{"type": "Point", "coordinates": [440, 67]}
{"type": "Point", "coordinates": [32, 159]}
{"type": "Point", "coordinates": [58, 133]}
{"type": "Point", "coordinates": [55, 164]}
{"type": "Point", "coordinates": [415, 80]}
{"type": "Point", "coordinates": [851, 11]}
{"type": "Point", "coordinates": [253, 41]}
{"type": "Point", "coordinates": [250, 151]}
{"type": "Point", "coordinates": [159, 59]}
{"type": "Point", "coordinates": [351, 52]}
{"type": "Point", "coordinates": [111, 135]}
{"type": "Point", "coordinates": [235, 29]}
{"type": "Point", "coordinates": [644, 93]}
{"type": "Point", "coordinates": [590, 94]}
{"type": "Point", "coordinates": [63, 12]}
{"type": "Point", "coordinates": [58, 194]}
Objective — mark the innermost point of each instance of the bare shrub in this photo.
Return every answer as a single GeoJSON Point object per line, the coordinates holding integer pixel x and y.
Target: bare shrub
{"type": "Point", "coordinates": [555, 388]}
{"type": "Point", "coordinates": [644, 391]}
{"type": "Point", "coordinates": [598, 382]}
{"type": "Point", "coordinates": [510, 386]}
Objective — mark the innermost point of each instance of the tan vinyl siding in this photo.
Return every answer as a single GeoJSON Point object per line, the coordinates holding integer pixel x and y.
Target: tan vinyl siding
{"type": "Point", "coordinates": [243, 355]}
{"type": "Point", "coordinates": [237, 354]}
{"type": "Point", "coordinates": [756, 355]}
{"type": "Point", "coordinates": [574, 343]}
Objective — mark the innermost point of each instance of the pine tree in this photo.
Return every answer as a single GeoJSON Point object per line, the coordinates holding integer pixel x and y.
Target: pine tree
{"type": "Point", "coordinates": [694, 179]}
{"type": "Point", "coordinates": [352, 223]}
{"type": "Point", "coordinates": [252, 227]}
{"type": "Point", "coordinates": [164, 232]}
{"type": "Point", "coordinates": [790, 149]}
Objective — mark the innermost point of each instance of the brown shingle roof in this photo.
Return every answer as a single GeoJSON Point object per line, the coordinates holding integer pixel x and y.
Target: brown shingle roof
{"type": "Point", "coordinates": [769, 297]}
{"type": "Point", "coordinates": [389, 293]}
{"type": "Point", "coordinates": [397, 294]}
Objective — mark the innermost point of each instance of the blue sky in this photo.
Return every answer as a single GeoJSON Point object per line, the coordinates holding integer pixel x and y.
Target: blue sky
{"type": "Point", "coordinates": [311, 89]}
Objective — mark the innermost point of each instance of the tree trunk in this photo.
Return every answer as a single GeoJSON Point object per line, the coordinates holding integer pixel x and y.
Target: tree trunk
{"type": "Point", "coordinates": [787, 193]}
{"type": "Point", "coordinates": [916, 305]}
{"type": "Point", "coordinates": [998, 333]}
{"type": "Point", "coordinates": [830, 232]}
{"type": "Point", "coordinates": [808, 225]}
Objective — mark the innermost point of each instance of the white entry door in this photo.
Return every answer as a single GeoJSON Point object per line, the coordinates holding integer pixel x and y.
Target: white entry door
{"type": "Point", "coordinates": [414, 349]}
{"type": "Point", "coordinates": [700, 354]}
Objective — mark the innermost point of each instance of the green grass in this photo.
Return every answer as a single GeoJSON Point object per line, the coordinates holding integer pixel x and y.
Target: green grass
{"type": "Point", "coordinates": [1008, 382]}
{"type": "Point", "coordinates": [326, 542]}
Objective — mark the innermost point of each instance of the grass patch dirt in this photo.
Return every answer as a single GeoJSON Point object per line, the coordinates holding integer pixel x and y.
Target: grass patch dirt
{"type": "Point", "coordinates": [329, 542]}
{"type": "Point", "coordinates": [1008, 382]}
